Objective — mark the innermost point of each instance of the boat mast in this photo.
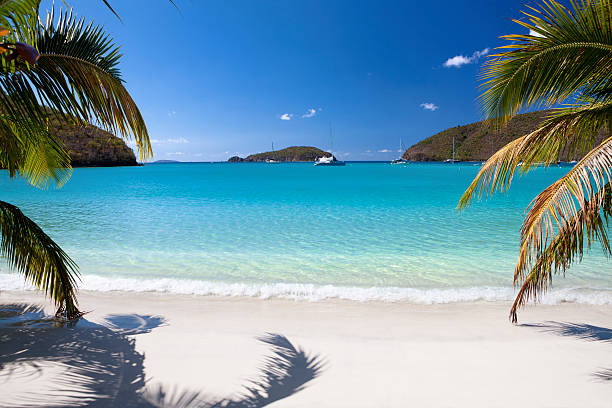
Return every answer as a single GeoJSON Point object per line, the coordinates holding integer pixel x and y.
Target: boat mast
{"type": "Point", "coordinates": [331, 140]}
{"type": "Point", "coordinates": [453, 148]}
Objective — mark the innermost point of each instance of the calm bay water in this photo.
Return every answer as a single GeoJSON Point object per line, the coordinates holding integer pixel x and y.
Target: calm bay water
{"type": "Point", "coordinates": [364, 231]}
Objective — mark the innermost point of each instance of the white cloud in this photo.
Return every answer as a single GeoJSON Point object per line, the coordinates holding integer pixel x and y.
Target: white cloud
{"type": "Point", "coordinates": [180, 140]}
{"type": "Point", "coordinates": [430, 106]}
{"type": "Point", "coordinates": [368, 151]}
{"type": "Point", "coordinates": [478, 54]}
{"type": "Point", "coordinates": [310, 113]}
{"type": "Point", "coordinates": [286, 116]}
{"type": "Point", "coordinates": [384, 151]}
{"type": "Point", "coordinates": [175, 154]}
{"type": "Point", "coordinates": [171, 113]}
{"type": "Point", "coordinates": [197, 155]}
{"type": "Point", "coordinates": [535, 34]}
{"type": "Point", "coordinates": [459, 60]}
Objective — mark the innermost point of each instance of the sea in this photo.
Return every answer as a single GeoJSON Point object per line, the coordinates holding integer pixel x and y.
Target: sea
{"type": "Point", "coordinates": [362, 232]}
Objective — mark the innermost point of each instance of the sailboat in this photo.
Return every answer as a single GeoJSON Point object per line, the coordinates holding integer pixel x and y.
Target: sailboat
{"type": "Point", "coordinates": [329, 160]}
{"type": "Point", "coordinates": [400, 160]}
{"type": "Point", "coordinates": [453, 159]}
{"type": "Point", "coordinates": [268, 160]}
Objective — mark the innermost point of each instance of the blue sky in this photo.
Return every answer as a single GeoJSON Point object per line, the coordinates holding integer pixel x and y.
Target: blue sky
{"type": "Point", "coordinates": [229, 77]}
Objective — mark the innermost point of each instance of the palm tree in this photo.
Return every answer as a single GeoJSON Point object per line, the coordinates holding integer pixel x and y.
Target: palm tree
{"type": "Point", "coordinates": [64, 70]}
{"type": "Point", "coordinates": [565, 59]}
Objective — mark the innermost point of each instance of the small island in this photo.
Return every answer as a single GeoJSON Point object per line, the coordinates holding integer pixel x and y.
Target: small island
{"type": "Point", "coordinates": [289, 154]}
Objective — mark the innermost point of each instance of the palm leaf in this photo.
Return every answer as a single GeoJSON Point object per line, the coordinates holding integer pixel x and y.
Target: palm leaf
{"type": "Point", "coordinates": [568, 60]}
{"type": "Point", "coordinates": [35, 255]}
{"type": "Point", "coordinates": [590, 224]}
{"type": "Point", "coordinates": [19, 16]}
{"type": "Point", "coordinates": [77, 74]}
{"type": "Point", "coordinates": [572, 54]}
{"type": "Point", "coordinates": [554, 208]}
{"type": "Point", "coordinates": [77, 77]}
{"type": "Point", "coordinates": [32, 151]}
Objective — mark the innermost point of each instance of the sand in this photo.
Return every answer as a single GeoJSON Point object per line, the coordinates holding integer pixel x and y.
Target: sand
{"type": "Point", "coordinates": [347, 354]}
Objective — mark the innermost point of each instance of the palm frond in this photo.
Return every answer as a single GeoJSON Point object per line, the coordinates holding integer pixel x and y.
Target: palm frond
{"type": "Point", "coordinates": [34, 254]}
{"type": "Point", "coordinates": [77, 77]}
{"type": "Point", "coordinates": [554, 208]}
{"type": "Point", "coordinates": [33, 152]}
{"type": "Point", "coordinates": [19, 16]}
{"type": "Point", "coordinates": [77, 74]}
{"type": "Point", "coordinates": [590, 224]}
{"type": "Point", "coordinates": [572, 53]}
{"type": "Point", "coordinates": [571, 130]}
{"type": "Point", "coordinates": [29, 149]}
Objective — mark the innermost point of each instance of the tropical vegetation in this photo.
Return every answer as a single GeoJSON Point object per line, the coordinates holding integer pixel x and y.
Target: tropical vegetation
{"type": "Point", "coordinates": [565, 62]}
{"type": "Point", "coordinates": [475, 141]}
{"type": "Point", "coordinates": [53, 68]}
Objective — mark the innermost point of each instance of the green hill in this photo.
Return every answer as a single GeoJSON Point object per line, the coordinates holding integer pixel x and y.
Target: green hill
{"type": "Point", "coordinates": [90, 146]}
{"type": "Point", "coordinates": [289, 154]}
{"type": "Point", "coordinates": [476, 141]}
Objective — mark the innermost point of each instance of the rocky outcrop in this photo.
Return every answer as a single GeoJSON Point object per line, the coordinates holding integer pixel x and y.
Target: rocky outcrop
{"type": "Point", "coordinates": [90, 146]}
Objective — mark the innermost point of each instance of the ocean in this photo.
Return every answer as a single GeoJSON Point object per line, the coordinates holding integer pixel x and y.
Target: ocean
{"type": "Point", "coordinates": [363, 232]}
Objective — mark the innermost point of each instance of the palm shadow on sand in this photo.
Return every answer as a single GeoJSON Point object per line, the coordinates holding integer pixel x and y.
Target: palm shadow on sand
{"type": "Point", "coordinates": [98, 366]}
{"type": "Point", "coordinates": [581, 331]}
{"type": "Point", "coordinates": [578, 330]}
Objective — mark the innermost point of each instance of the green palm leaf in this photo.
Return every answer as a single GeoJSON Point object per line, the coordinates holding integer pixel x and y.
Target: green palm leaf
{"type": "Point", "coordinates": [573, 54]}
{"type": "Point", "coordinates": [77, 77]}
{"type": "Point", "coordinates": [590, 223]}
{"type": "Point", "coordinates": [73, 76]}
{"type": "Point", "coordinates": [77, 74]}
{"type": "Point", "coordinates": [32, 151]}
{"type": "Point", "coordinates": [20, 17]}
{"type": "Point", "coordinates": [568, 60]}
{"type": "Point", "coordinates": [555, 207]}
{"type": "Point", "coordinates": [35, 255]}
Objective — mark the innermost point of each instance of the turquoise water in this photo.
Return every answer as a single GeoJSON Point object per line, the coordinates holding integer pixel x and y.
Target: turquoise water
{"type": "Point", "coordinates": [363, 231]}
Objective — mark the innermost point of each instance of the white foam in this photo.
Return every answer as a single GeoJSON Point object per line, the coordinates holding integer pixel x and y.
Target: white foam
{"type": "Point", "coordinates": [315, 293]}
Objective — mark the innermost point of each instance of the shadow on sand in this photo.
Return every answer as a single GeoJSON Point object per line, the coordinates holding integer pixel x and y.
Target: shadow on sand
{"type": "Point", "coordinates": [97, 366]}
{"type": "Point", "coordinates": [579, 330]}
{"type": "Point", "coordinates": [133, 324]}
{"type": "Point", "coordinates": [603, 375]}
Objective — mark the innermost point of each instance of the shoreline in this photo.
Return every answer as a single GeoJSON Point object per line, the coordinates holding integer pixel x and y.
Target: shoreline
{"type": "Point", "coordinates": [458, 354]}
{"type": "Point", "coordinates": [318, 292]}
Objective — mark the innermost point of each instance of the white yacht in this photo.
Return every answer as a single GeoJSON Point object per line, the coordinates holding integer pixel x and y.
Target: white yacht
{"type": "Point", "coordinates": [400, 160]}
{"type": "Point", "coordinates": [329, 160]}
{"type": "Point", "coordinates": [268, 160]}
{"type": "Point", "coordinates": [453, 159]}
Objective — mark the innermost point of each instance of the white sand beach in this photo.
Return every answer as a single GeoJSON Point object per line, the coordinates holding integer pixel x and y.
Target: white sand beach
{"type": "Point", "coordinates": [371, 354]}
